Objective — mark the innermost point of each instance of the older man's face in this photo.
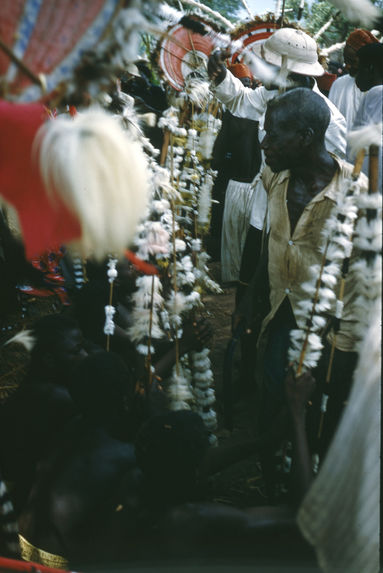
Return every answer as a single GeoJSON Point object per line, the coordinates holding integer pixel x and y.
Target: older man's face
{"type": "Point", "coordinates": [280, 145]}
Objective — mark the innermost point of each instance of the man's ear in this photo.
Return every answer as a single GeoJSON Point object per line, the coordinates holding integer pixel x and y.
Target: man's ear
{"type": "Point", "coordinates": [307, 135]}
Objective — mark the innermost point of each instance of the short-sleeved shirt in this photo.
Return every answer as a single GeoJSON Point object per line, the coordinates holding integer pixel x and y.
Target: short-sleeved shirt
{"type": "Point", "coordinates": [292, 255]}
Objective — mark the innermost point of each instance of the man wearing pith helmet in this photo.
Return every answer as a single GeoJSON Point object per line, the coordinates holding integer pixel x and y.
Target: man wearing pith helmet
{"type": "Point", "coordinates": [295, 54]}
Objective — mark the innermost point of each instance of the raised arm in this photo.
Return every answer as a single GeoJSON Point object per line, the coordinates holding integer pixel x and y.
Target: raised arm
{"type": "Point", "coordinates": [240, 101]}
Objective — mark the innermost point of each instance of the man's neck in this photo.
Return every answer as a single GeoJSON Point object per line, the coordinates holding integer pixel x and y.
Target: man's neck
{"type": "Point", "coordinates": [316, 171]}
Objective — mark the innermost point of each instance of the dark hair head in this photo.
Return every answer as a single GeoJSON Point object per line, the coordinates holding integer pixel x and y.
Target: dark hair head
{"type": "Point", "coordinates": [50, 331]}
{"type": "Point", "coordinates": [100, 384]}
{"type": "Point", "coordinates": [301, 108]}
{"type": "Point", "coordinates": [169, 449]}
{"type": "Point", "coordinates": [371, 54]}
{"type": "Point", "coordinates": [59, 343]}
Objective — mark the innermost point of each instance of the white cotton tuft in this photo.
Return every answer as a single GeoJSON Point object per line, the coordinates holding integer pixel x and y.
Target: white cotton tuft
{"type": "Point", "coordinates": [206, 143]}
{"type": "Point", "coordinates": [198, 91]}
{"type": "Point", "coordinates": [25, 337]}
{"type": "Point", "coordinates": [319, 322]}
{"type": "Point", "coordinates": [205, 200]}
{"type": "Point", "coordinates": [364, 137]}
{"type": "Point", "coordinates": [180, 245]}
{"type": "Point", "coordinates": [361, 12]}
{"type": "Point", "coordinates": [100, 173]}
{"type": "Point", "coordinates": [157, 239]}
{"type": "Point", "coordinates": [176, 304]}
{"type": "Point", "coordinates": [330, 275]}
{"type": "Point", "coordinates": [179, 390]}
{"type": "Point", "coordinates": [210, 419]}
{"type": "Point", "coordinates": [367, 201]}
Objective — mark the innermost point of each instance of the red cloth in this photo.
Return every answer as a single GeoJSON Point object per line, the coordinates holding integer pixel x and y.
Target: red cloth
{"type": "Point", "coordinates": [49, 265]}
{"type": "Point", "coordinates": [140, 265]}
{"type": "Point", "coordinates": [11, 565]}
{"type": "Point", "coordinates": [240, 71]}
{"type": "Point", "coordinates": [359, 38]}
{"type": "Point", "coordinates": [45, 224]}
{"type": "Point", "coordinates": [325, 81]}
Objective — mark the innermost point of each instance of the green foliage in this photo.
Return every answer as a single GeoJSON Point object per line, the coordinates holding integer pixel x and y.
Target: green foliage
{"type": "Point", "coordinates": [227, 8]}
{"type": "Point", "coordinates": [320, 12]}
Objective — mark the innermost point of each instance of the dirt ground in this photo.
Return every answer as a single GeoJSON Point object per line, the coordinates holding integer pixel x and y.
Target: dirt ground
{"type": "Point", "coordinates": [240, 484]}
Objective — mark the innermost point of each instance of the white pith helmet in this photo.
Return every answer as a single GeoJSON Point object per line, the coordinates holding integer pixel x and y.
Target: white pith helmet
{"type": "Point", "coordinates": [292, 49]}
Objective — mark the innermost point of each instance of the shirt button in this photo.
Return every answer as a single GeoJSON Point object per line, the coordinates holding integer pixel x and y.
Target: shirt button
{"type": "Point", "coordinates": [287, 290]}
{"type": "Point", "coordinates": [291, 242]}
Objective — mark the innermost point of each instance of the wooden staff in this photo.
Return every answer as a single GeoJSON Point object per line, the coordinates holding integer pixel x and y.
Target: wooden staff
{"type": "Point", "coordinates": [165, 146]}
{"type": "Point", "coordinates": [39, 80]}
{"type": "Point", "coordinates": [373, 169]}
{"type": "Point", "coordinates": [283, 12]}
{"type": "Point", "coordinates": [355, 174]}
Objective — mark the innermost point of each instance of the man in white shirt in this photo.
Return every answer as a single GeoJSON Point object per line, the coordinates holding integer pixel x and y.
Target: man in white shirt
{"type": "Point", "coordinates": [344, 92]}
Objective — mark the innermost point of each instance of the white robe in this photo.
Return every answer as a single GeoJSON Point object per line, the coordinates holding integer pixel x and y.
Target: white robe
{"type": "Point", "coordinates": [345, 94]}
{"type": "Point", "coordinates": [236, 221]}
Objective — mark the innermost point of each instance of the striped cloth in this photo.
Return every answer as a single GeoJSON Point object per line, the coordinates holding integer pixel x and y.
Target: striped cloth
{"type": "Point", "coordinates": [340, 514]}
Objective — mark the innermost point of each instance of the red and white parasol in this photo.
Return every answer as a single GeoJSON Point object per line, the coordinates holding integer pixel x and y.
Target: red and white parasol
{"type": "Point", "coordinates": [49, 38]}
{"type": "Point", "coordinates": [252, 33]}
{"type": "Point", "coordinates": [182, 52]}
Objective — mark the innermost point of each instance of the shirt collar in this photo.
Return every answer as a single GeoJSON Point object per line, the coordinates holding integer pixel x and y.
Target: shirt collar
{"type": "Point", "coordinates": [331, 191]}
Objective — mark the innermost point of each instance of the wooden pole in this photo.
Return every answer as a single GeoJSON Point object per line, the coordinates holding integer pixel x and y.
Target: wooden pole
{"type": "Point", "coordinates": [20, 64]}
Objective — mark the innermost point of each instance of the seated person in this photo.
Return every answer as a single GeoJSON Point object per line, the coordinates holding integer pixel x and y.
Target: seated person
{"type": "Point", "coordinates": [72, 507]}
{"type": "Point", "coordinates": [39, 408]}
{"type": "Point", "coordinates": [98, 498]}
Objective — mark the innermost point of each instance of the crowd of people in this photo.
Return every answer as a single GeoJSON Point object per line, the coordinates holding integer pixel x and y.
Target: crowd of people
{"type": "Point", "coordinates": [97, 467]}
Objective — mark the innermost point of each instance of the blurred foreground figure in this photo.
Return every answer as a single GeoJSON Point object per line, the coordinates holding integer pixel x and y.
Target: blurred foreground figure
{"type": "Point", "coordinates": [80, 178]}
{"type": "Point", "coordinates": [340, 514]}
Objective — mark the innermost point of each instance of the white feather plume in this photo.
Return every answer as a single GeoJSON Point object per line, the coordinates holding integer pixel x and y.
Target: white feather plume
{"type": "Point", "coordinates": [24, 337]}
{"type": "Point", "coordinates": [198, 91]}
{"type": "Point", "coordinates": [361, 12]}
{"type": "Point", "coordinates": [100, 173]}
{"type": "Point", "coordinates": [364, 137]}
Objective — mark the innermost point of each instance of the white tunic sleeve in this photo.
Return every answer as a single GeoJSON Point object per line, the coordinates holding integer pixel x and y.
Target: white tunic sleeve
{"type": "Point", "coordinates": [241, 101]}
